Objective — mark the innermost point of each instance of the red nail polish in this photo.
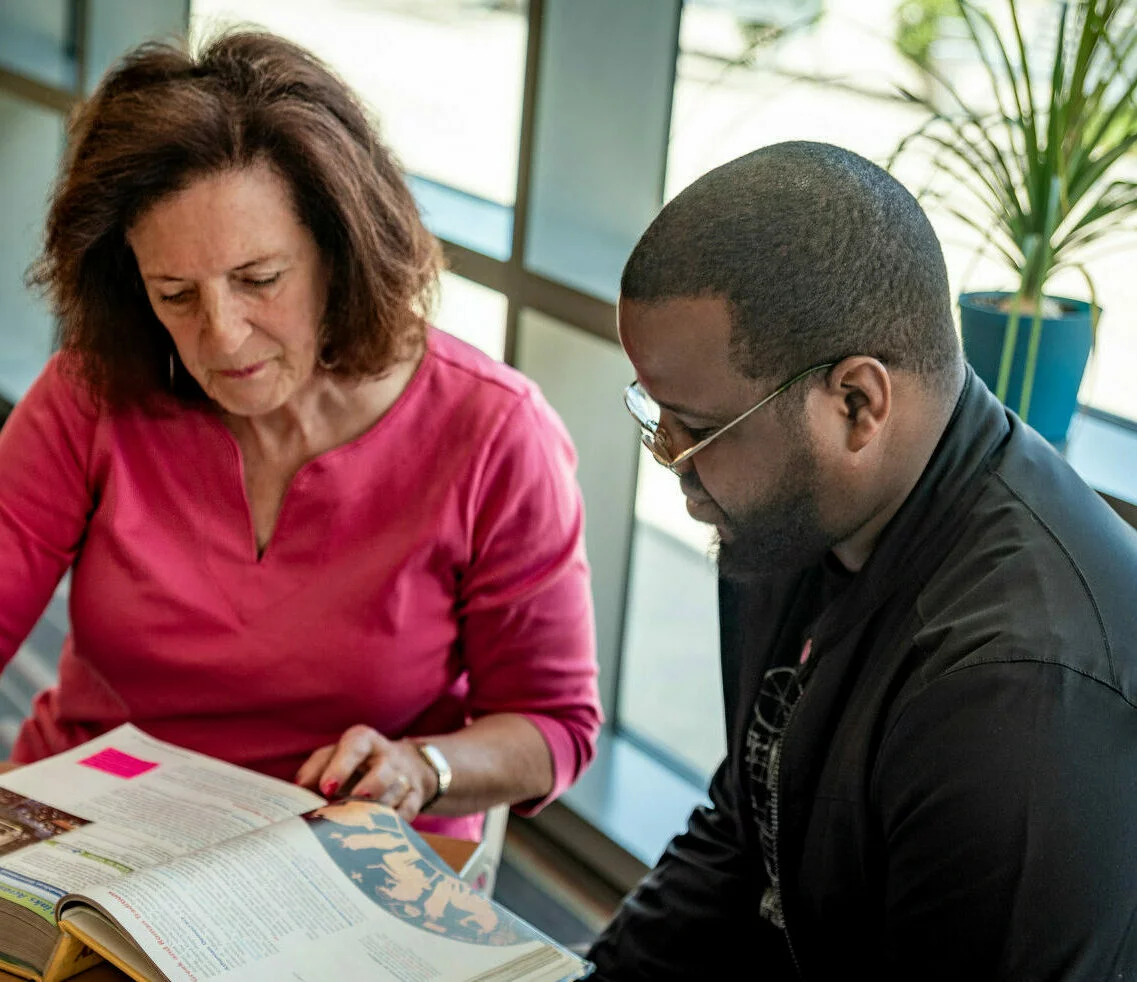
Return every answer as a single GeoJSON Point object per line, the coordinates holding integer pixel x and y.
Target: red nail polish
{"type": "Point", "coordinates": [365, 794]}
{"type": "Point", "coordinates": [329, 788]}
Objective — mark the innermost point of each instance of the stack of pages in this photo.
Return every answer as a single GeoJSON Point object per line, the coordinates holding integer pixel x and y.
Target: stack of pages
{"type": "Point", "coordinates": [175, 867]}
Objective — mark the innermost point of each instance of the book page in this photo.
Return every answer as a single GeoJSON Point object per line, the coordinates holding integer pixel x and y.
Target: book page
{"type": "Point", "coordinates": [123, 801]}
{"type": "Point", "coordinates": [346, 892]}
{"type": "Point", "coordinates": [108, 941]}
{"type": "Point", "coordinates": [104, 943]}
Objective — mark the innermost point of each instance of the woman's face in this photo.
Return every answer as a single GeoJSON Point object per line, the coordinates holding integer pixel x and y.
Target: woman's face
{"type": "Point", "coordinates": [239, 283]}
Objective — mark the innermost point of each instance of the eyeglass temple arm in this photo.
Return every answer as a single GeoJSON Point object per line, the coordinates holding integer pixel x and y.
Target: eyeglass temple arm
{"type": "Point", "coordinates": [690, 451]}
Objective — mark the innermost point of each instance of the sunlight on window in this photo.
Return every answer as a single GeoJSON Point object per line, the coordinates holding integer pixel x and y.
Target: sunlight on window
{"type": "Point", "coordinates": [670, 655]}
{"type": "Point", "coordinates": [836, 79]}
{"type": "Point", "coordinates": [472, 312]}
{"type": "Point", "coordinates": [444, 78]}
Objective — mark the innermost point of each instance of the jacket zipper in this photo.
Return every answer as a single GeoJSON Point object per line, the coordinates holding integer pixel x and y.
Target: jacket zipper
{"type": "Point", "coordinates": [775, 800]}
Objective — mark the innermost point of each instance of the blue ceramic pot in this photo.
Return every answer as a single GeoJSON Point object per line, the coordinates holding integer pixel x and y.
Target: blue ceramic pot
{"type": "Point", "coordinates": [1062, 355]}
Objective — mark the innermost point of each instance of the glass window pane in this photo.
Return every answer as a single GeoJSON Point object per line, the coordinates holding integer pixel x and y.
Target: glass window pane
{"type": "Point", "coordinates": [481, 225]}
{"type": "Point", "coordinates": [472, 312]}
{"type": "Point", "coordinates": [37, 40]}
{"type": "Point", "coordinates": [112, 28]}
{"type": "Point", "coordinates": [29, 156]}
{"type": "Point", "coordinates": [670, 679]}
{"type": "Point", "coordinates": [602, 116]}
{"type": "Point", "coordinates": [445, 78]}
{"type": "Point", "coordinates": [755, 72]}
{"type": "Point", "coordinates": [582, 376]}
{"type": "Point", "coordinates": [1108, 383]}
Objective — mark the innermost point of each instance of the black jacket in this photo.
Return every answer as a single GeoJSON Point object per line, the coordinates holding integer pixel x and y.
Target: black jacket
{"type": "Point", "coordinates": [958, 782]}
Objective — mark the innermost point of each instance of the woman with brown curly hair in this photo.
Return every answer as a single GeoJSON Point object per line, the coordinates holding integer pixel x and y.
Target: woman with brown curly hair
{"type": "Point", "coordinates": [308, 533]}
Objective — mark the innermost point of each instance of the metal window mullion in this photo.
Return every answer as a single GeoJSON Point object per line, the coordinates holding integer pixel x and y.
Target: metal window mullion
{"type": "Point", "coordinates": [79, 14]}
{"type": "Point", "coordinates": [48, 96]}
{"type": "Point", "coordinates": [525, 289]}
{"type": "Point", "coordinates": [516, 264]}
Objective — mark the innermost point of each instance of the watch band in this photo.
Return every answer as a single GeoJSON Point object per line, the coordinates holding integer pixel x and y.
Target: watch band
{"type": "Point", "coordinates": [441, 767]}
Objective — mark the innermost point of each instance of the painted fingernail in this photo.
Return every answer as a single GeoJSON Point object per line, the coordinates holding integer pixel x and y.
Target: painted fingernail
{"type": "Point", "coordinates": [329, 788]}
{"type": "Point", "coordinates": [365, 794]}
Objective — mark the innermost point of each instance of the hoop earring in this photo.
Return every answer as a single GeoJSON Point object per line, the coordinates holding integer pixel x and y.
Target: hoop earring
{"type": "Point", "coordinates": [324, 362]}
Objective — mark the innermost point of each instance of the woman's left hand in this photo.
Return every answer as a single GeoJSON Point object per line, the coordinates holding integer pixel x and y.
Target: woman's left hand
{"type": "Point", "coordinates": [392, 772]}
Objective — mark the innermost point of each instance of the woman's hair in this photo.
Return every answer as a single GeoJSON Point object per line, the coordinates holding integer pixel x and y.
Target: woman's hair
{"type": "Point", "coordinates": [167, 114]}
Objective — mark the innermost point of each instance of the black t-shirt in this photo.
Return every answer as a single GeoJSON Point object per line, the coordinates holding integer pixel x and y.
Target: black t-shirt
{"type": "Point", "coordinates": [777, 695]}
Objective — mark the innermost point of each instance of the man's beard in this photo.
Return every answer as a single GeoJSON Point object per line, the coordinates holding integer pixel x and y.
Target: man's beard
{"type": "Point", "coordinates": [782, 535]}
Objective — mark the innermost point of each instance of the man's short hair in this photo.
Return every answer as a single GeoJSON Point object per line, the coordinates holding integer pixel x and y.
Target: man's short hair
{"type": "Point", "coordinates": [820, 253]}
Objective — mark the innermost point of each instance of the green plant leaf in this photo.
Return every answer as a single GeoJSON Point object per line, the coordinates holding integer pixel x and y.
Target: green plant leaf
{"type": "Point", "coordinates": [970, 154]}
{"type": "Point", "coordinates": [972, 17]}
{"type": "Point", "coordinates": [968, 220]}
{"type": "Point", "coordinates": [1095, 310]}
{"type": "Point", "coordinates": [965, 114]}
{"type": "Point", "coordinates": [1030, 369]}
{"type": "Point", "coordinates": [1109, 123]}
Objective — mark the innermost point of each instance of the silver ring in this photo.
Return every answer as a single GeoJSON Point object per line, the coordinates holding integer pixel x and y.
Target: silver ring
{"type": "Point", "coordinates": [403, 783]}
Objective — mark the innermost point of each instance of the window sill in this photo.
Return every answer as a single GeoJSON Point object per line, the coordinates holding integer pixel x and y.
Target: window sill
{"type": "Point", "coordinates": [1103, 450]}
{"type": "Point", "coordinates": [618, 818]}
{"type": "Point", "coordinates": [40, 59]}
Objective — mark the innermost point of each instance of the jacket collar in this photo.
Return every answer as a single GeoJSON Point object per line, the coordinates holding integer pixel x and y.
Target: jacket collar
{"type": "Point", "coordinates": [924, 527]}
{"type": "Point", "coordinates": [908, 550]}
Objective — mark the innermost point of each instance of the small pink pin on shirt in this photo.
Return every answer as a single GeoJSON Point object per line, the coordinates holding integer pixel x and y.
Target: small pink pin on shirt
{"type": "Point", "coordinates": [805, 651]}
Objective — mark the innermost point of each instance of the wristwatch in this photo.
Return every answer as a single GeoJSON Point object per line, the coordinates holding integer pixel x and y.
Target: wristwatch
{"type": "Point", "coordinates": [433, 756]}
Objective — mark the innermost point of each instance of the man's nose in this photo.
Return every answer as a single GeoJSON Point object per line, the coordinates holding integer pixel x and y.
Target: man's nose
{"type": "Point", "coordinates": [689, 482]}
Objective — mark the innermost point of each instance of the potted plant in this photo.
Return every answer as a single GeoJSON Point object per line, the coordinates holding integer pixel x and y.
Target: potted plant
{"type": "Point", "coordinates": [1035, 174]}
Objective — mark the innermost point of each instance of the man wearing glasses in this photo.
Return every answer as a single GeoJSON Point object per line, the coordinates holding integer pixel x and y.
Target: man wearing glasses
{"type": "Point", "coordinates": [929, 634]}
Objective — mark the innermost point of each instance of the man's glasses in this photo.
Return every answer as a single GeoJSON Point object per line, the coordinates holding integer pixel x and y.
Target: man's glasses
{"type": "Point", "coordinates": [655, 437]}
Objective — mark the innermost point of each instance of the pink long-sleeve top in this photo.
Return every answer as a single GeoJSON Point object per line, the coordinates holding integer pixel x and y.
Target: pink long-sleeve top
{"type": "Point", "coordinates": [429, 572]}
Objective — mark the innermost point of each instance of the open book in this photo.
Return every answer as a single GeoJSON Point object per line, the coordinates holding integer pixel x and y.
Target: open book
{"type": "Point", "coordinates": [175, 866]}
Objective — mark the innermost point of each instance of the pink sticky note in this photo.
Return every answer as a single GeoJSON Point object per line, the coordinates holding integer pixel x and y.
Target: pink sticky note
{"type": "Point", "coordinates": [115, 762]}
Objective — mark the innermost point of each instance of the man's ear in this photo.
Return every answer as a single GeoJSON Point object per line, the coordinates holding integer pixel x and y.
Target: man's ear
{"type": "Point", "coordinates": [858, 389]}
